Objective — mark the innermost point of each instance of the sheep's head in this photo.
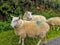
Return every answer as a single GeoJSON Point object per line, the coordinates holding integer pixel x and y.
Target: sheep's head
{"type": "Point", "coordinates": [28, 14]}
{"type": "Point", "coordinates": [14, 21]}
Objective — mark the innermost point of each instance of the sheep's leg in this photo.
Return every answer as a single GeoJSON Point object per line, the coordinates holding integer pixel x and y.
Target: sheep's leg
{"type": "Point", "coordinates": [39, 42]}
{"type": "Point", "coordinates": [58, 28]}
{"type": "Point", "coordinates": [44, 41]}
{"type": "Point", "coordinates": [22, 41]}
{"type": "Point", "coordinates": [53, 27]}
{"type": "Point", "coordinates": [19, 40]}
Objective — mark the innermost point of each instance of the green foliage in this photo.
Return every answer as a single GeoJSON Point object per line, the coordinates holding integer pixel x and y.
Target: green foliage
{"type": "Point", "coordinates": [4, 26]}
{"type": "Point", "coordinates": [8, 9]}
{"type": "Point", "coordinates": [17, 11]}
{"type": "Point", "coordinates": [5, 7]}
{"type": "Point", "coordinates": [49, 13]}
{"type": "Point", "coordinates": [53, 33]}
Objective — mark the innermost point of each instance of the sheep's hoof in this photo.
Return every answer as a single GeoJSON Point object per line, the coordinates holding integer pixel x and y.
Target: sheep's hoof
{"type": "Point", "coordinates": [43, 44]}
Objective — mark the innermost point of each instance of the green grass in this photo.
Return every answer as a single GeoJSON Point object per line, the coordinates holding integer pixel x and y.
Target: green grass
{"type": "Point", "coordinates": [9, 38]}
{"type": "Point", "coordinates": [53, 34]}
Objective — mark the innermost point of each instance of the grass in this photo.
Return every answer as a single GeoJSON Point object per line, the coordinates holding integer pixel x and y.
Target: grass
{"type": "Point", "coordinates": [53, 34]}
{"type": "Point", "coordinates": [9, 38]}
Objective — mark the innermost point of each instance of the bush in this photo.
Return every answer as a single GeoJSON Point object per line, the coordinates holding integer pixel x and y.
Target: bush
{"type": "Point", "coordinates": [4, 26]}
{"type": "Point", "coordinates": [49, 13]}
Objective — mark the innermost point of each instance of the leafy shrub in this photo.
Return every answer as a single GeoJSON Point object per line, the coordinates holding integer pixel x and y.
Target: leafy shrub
{"type": "Point", "coordinates": [4, 26]}
{"type": "Point", "coordinates": [49, 13]}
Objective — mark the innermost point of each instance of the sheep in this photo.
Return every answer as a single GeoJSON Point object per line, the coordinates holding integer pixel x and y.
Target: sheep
{"type": "Point", "coordinates": [28, 16]}
{"type": "Point", "coordinates": [54, 21]}
{"type": "Point", "coordinates": [31, 29]}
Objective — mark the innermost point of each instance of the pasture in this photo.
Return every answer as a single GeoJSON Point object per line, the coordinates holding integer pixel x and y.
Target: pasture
{"type": "Point", "coordinates": [9, 38]}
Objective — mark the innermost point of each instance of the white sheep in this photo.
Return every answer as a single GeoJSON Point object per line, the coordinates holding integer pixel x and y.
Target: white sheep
{"type": "Point", "coordinates": [28, 16]}
{"type": "Point", "coordinates": [54, 21]}
{"type": "Point", "coordinates": [31, 29]}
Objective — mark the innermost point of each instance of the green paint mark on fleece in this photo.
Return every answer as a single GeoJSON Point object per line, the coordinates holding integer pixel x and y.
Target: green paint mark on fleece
{"type": "Point", "coordinates": [38, 22]}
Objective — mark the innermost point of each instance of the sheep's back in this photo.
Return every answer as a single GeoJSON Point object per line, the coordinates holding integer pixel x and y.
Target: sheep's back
{"type": "Point", "coordinates": [38, 17]}
{"type": "Point", "coordinates": [32, 29]}
{"type": "Point", "coordinates": [54, 21]}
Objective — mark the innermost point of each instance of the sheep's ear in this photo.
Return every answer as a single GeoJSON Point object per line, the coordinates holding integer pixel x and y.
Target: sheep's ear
{"type": "Point", "coordinates": [11, 16]}
{"type": "Point", "coordinates": [19, 17]}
